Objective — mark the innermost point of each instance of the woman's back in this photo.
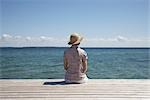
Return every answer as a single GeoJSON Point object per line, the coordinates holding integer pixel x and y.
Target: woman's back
{"type": "Point", "coordinates": [75, 56]}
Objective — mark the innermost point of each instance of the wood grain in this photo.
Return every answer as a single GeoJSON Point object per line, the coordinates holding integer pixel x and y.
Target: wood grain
{"type": "Point", "coordinates": [56, 89]}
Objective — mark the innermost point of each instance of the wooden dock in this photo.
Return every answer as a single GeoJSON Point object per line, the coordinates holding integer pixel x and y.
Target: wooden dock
{"type": "Point", "coordinates": [56, 89]}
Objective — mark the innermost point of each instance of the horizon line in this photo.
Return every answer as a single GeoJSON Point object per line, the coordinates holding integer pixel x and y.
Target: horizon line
{"type": "Point", "coordinates": [66, 47]}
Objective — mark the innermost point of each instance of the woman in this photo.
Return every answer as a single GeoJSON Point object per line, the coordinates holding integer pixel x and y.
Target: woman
{"type": "Point", "coordinates": [75, 61]}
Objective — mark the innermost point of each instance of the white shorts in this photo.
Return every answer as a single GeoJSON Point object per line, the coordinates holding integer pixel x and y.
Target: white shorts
{"type": "Point", "coordinates": [84, 80]}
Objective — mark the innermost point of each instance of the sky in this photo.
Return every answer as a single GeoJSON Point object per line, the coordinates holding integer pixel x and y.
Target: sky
{"type": "Point", "coordinates": [102, 23]}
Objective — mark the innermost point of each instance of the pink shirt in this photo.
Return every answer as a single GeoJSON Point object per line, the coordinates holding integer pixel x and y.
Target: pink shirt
{"type": "Point", "coordinates": [75, 55]}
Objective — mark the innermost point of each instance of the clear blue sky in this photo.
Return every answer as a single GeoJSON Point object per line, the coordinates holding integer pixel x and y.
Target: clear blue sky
{"type": "Point", "coordinates": [93, 18]}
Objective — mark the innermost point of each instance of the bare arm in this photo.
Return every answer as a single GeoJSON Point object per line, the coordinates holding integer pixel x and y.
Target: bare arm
{"type": "Point", "coordinates": [65, 63]}
{"type": "Point", "coordinates": [84, 63]}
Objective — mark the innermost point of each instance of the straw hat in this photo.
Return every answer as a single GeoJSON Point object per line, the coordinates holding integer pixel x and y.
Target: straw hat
{"type": "Point", "coordinates": [75, 38]}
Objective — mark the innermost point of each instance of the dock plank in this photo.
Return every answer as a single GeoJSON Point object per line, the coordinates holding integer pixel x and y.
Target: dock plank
{"type": "Point", "coordinates": [56, 89]}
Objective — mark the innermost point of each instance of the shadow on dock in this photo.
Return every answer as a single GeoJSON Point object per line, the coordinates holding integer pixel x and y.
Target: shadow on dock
{"type": "Point", "coordinates": [55, 83]}
{"type": "Point", "coordinates": [58, 83]}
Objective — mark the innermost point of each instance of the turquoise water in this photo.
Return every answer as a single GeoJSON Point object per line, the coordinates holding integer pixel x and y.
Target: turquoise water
{"type": "Point", "coordinates": [47, 63]}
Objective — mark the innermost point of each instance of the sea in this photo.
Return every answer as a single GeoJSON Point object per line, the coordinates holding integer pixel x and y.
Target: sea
{"type": "Point", "coordinates": [47, 63]}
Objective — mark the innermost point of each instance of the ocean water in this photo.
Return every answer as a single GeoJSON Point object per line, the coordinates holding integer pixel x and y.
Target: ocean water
{"type": "Point", "coordinates": [47, 63]}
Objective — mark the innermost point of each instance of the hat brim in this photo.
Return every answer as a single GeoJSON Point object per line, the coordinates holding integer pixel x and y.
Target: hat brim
{"type": "Point", "coordinates": [77, 42]}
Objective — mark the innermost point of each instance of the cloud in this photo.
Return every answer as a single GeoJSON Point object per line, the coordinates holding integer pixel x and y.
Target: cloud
{"type": "Point", "coordinates": [115, 39]}
{"type": "Point", "coordinates": [118, 41]}
{"type": "Point", "coordinates": [20, 41]}
{"type": "Point", "coordinates": [17, 37]}
{"type": "Point", "coordinates": [6, 37]}
{"type": "Point", "coordinates": [121, 38]}
{"type": "Point", "coordinates": [44, 38]}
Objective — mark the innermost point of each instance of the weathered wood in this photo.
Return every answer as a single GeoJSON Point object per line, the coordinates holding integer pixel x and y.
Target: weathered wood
{"type": "Point", "coordinates": [56, 89]}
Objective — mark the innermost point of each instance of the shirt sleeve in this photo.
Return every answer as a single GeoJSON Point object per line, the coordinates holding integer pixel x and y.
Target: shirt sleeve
{"type": "Point", "coordinates": [85, 56]}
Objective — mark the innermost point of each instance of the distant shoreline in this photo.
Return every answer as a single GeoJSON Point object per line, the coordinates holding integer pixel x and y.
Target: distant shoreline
{"type": "Point", "coordinates": [83, 47]}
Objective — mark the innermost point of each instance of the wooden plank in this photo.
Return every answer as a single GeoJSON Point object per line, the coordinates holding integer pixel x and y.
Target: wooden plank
{"type": "Point", "coordinates": [94, 89]}
{"type": "Point", "coordinates": [75, 99]}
